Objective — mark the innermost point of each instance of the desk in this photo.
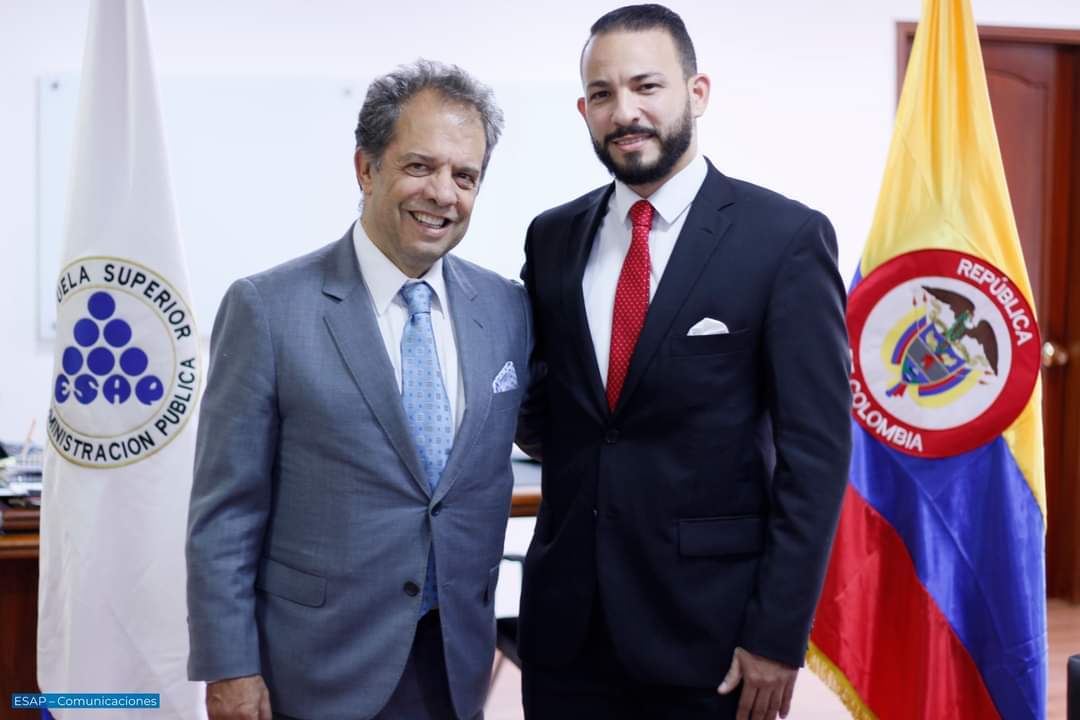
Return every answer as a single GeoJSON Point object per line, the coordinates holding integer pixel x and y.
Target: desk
{"type": "Point", "coordinates": [526, 499]}
{"type": "Point", "coordinates": [19, 533]}
{"type": "Point", "coordinates": [19, 542]}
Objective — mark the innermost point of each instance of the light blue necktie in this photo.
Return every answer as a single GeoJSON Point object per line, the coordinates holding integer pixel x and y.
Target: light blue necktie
{"type": "Point", "coordinates": [427, 407]}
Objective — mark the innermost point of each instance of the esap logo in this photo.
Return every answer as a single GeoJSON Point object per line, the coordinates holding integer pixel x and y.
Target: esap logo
{"type": "Point", "coordinates": [123, 362]}
{"type": "Point", "coordinates": [127, 363]}
{"type": "Point", "coordinates": [945, 352]}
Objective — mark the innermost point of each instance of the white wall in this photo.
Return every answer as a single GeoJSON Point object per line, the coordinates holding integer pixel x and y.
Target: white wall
{"type": "Point", "coordinates": [803, 95]}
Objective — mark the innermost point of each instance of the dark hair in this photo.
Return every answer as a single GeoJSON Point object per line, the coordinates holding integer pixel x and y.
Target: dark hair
{"type": "Point", "coordinates": [387, 95]}
{"type": "Point", "coordinates": [637, 18]}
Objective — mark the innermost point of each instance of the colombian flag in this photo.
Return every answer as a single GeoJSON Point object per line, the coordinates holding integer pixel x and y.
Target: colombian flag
{"type": "Point", "coordinates": [934, 602]}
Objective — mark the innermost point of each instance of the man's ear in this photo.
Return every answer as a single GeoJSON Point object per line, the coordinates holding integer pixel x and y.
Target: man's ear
{"type": "Point", "coordinates": [581, 109]}
{"type": "Point", "coordinates": [699, 86]}
{"type": "Point", "coordinates": [365, 169]}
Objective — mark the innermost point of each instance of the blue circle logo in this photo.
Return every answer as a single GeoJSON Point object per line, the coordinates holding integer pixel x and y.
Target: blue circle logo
{"type": "Point", "coordinates": [127, 366]}
{"type": "Point", "coordinates": [101, 360]}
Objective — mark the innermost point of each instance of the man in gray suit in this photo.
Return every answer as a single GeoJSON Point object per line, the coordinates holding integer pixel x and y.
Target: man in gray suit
{"type": "Point", "coordinates": [352, 478]}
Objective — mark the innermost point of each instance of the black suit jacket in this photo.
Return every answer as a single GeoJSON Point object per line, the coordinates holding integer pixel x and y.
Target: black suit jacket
{"type": "Point", "coordinates": [703, 509]}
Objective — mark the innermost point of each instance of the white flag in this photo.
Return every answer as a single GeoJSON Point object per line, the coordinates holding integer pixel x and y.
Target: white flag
{"type": "Point", "coordinates": [112, 611]}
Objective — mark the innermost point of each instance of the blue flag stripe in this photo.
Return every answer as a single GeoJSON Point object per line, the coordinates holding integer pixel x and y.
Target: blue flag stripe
{"type": "Point", "coordinates": [975, 534]}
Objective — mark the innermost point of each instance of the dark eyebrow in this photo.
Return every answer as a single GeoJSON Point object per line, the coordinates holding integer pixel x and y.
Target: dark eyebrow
{"type": "Point", "coordinates": [641, 77]}
{"type": "Point", "coordinates": [417, 157]}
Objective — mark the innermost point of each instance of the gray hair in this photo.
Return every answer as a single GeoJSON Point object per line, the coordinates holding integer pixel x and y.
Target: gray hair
{"type": "Point", "coordinates": [387, 95]}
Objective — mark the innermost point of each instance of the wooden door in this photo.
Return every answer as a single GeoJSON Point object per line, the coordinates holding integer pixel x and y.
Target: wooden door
{"type": "Point", "coordinates": [1032, 76]}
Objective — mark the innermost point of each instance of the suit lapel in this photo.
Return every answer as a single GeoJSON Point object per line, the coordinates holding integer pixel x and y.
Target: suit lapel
{"type": "Point", "coordinates": [579, 242]}
{"type": "Point", "coordinates": [473, 340]}
{"type": "Point", "coordinates": [355, 331]}
{"type": "Point", "coordinates": [700, 235]}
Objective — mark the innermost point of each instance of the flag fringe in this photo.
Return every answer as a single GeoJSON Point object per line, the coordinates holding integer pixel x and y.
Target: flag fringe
{"type": "Point", "coordinates": [835, 680]}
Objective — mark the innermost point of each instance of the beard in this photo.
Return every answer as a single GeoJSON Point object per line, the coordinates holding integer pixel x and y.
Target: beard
{"type": "Point", "coordinates": [634, 171]}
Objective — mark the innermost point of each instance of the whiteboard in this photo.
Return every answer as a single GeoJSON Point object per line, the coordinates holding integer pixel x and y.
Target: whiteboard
{"type": "Point", "coordinates": [262, 172]}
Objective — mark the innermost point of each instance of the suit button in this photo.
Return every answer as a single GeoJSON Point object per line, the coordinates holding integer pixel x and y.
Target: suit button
{"type": "Point", "coordinates": [595, 513]}
{"type": "Point", "coordinates": [411, 589]}
{"type": "Point", "coordinates": [437, 509]}
{"type": "Point", "coordinates": [611, 437]}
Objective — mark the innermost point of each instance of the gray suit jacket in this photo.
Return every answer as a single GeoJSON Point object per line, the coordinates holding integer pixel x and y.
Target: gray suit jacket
{"type": "Point", "coordinates": [310, 519]}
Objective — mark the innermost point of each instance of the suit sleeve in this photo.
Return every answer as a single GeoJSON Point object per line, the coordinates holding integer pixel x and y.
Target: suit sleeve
{"type": "Point", "coordinates": [532, 418]}
{"type": "Point", "coordinates": [809, 399]}
{"type": "Point", "coordinates": [231, 493]}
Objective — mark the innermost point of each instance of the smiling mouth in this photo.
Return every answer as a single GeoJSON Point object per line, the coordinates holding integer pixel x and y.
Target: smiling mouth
{"type": "Point", "coordinates": [631, 142]}
{"type": "Point", "coordinates": [429, 221]}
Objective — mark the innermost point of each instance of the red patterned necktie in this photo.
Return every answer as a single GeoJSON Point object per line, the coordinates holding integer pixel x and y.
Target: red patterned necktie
{"type": "Point", "coordinates": [631, 301]}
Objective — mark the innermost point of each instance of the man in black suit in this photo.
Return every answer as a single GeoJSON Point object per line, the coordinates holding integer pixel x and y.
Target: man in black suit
{"type": "Point", "coordinates": [692, 412]}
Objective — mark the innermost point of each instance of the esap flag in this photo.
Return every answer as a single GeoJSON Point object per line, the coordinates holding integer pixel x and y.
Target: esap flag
{"type": "Point", "coordinates": [934, 602]}
{"type": "Point", "coordinates": [112, 611]}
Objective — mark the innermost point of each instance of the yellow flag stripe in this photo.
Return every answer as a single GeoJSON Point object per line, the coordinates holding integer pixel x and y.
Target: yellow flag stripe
{"type": "Point", "coordinates": [944, 184]}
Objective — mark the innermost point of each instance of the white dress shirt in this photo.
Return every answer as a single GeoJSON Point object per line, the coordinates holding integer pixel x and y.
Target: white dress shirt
{"type": "Point", "coordinates": [671, 203]}
{"type": "Point", "coordinates": [384, 281]}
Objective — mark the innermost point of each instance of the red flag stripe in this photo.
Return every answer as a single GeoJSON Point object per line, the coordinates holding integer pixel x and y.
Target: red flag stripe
{"type": "Point", "coordinates": [871, 576]}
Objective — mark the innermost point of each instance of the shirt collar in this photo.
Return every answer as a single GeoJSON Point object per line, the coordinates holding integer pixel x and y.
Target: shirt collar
{"type": "Point", "coordinates": [384, 279]}
{"type": "Point", "coordinates": [672, 198]}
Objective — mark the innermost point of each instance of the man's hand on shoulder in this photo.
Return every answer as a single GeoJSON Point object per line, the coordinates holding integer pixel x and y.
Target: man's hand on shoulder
{"type": "Point", "coordinates": [767, 686]}
{"type": "Point", "coordinates": [243, 698]}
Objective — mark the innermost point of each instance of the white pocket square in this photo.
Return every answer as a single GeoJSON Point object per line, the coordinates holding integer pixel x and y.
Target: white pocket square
{"type": "Point", "coordinates": [707, 326]}
{"type": "Point", "coordinates": [506, 379]}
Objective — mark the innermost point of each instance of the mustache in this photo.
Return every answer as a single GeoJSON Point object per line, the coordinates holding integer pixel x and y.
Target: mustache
{"type": "Point", "coordinates": [629, 130]}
